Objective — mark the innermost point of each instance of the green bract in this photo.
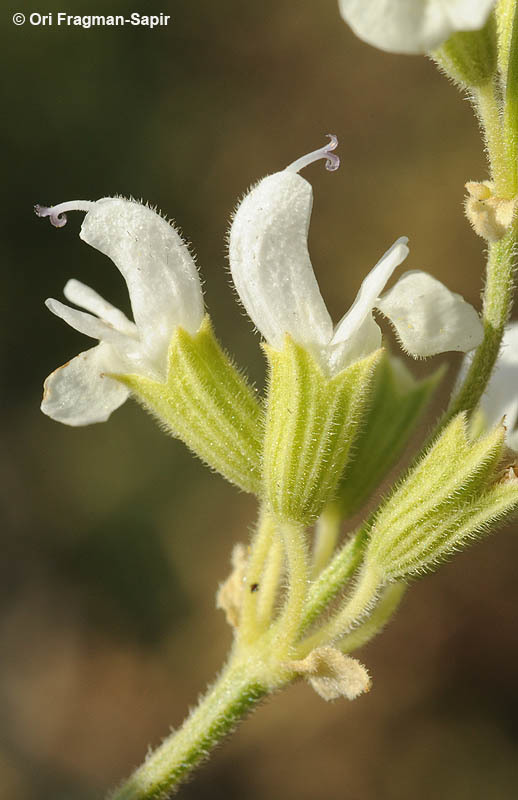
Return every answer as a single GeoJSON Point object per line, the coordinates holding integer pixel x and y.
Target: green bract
{"type": "Point", "coordinates": [311, 421]}
{"type": "Point", "coordinates": [208, 404]}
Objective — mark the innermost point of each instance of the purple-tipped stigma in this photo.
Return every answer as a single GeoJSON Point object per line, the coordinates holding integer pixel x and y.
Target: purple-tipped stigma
{"type": "Point", "coordinates": [57, 214]}
{"type": "Point", "coordinates": [332, 160]}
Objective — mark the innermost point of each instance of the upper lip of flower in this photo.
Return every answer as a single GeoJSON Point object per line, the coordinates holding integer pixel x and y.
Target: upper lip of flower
{"type": "Point", "coordinates": [272, 272]}
{"type": "Point", "coordinates": [165, 293]}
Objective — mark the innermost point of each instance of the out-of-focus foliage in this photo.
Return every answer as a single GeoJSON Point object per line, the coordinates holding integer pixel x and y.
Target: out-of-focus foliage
{"type": "Point", "coordinates": [114, 539]}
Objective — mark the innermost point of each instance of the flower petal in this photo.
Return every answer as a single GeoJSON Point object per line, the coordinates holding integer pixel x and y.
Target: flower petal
{"type": "Point", "coordinates": [468, 15]}
{"type": "Point", "coordinates": [79, 393]}
{"type": "Point", "coordinates": [412, 26]}
{"type": "Point", "coordinates": [162, 278]}
{"type": "Point", "coordinates": [351, 323]}
{"type": "Point", "coordinates": [501, 396]}
{"type": "Point", "coordinates": [270, 263]}
{"type": "Point", "coordinates": [428, 318]}
{"type": "Point", "coordinates": [366, 339]}
{"type": "Point", "coordinates": [87, 324]}
{"type": "Point", "coordinates": [82, 295]}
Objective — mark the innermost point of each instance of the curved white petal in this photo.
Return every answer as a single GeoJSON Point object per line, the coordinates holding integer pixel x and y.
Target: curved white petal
{"type": "Point", "coordinates": [501, 396]}
{"type": "Point", "coordinates": [351, 323]}
{"type": "Point", "coordinates": [79, 393]}
{"type": "Point", "coordinates": [87, 324]}
{"type": "Point", "coordinates": [270, 263]}
{"type": "Point", "coordinates": [367, 338]}
{"type": "Point", "coordinates": [82, 295]}
{"type": "Point", "coordinates": [162, 278]}
{"type": "Point", "coordinates": [428, 318]}
{"type": "Point", "coordinates": [412, 26]}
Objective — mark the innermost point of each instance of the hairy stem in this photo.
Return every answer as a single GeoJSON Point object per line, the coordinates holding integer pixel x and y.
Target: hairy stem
{"type": "Point", "coordinates": [234, 694]}
{"type": "Point", "coordinates": [353, 611]}
{"type": "Point", "coordinates": [293, 537]}
{"type": "Point", "coordinates": [248, 624]}
{"type": "Point", "coordinates": [511, 110]}
{"type": "Point", "coordinates": [497, 304]}
{"type": "Point", "coordinates": [269, 584]}
{"type": "Point", "coordinates": [327, 531]}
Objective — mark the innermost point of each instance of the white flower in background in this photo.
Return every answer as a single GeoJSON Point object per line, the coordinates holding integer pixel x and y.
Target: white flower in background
{"type": "Point", "coordinates": [272, 273]}
{"type": "Point", "coordinates": [500, 400]}
{"type": "Point", "coordinates": [413, 26]}
{"type": "Point", "coordinates": [165, 293]}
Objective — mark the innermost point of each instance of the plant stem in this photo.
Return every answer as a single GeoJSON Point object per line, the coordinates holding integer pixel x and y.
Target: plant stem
{"type": "Point", "coordinates": [488, 110]}
{"type": "Point", "coordinates": [511, 110]}
{"type": "Point", "coordinates": [297, 561]}
{"type": "Point", "coordinates": [385, 609]}
{"type": "Point", "coordinates": [248, 624]}
{"type": "Point", "coordinates": [501, 135]}
{"type": "Point", "coordinates": [233, 695]}
{"type": "Point", "coordinates": [333, 578]}
{"type": "Point", "coordinates": [269, 584]}
{"type": "Point", "coordinates": [497, 304]}
{"type": "Point", "coordinates": [359, 603]}
{"type": "Point", "coordinates": [327, 531]}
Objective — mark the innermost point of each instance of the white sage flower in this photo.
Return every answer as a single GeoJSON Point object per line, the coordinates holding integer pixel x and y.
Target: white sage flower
{"type": "Point", "coordinates": [165, 293]}
{"type": "Point", "coordinates": [272, 272]}
{"type": "Point", "coordinates": [413, 26]}
{"type": "Point", "coordinates": [500, 400]}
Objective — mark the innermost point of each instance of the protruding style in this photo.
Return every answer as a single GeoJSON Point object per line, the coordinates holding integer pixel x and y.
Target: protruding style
{"type": "Point", "coordinates": [165, 293]}
{"type": "Point", "coordinates": [273, 275]}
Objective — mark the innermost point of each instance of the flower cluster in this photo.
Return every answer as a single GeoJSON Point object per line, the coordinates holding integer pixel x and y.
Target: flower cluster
{"type": "Point", "coordinates": [272, 273]}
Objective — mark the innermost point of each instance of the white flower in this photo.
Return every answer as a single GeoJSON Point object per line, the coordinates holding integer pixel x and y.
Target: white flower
{"type": "Point", "coordinates": [500, 400]}
{"type": "Point", "coordinates": [413, 26]}
{"type": "Point", "coordinates": [272, 273]}
{"type": "Point", "coordinates": [165, 293]}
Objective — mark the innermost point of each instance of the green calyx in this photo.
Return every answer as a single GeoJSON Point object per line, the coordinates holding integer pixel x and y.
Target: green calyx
{"type": "Point", "coordinates": [470, 57]}
{"type": "Point", "coordinates": [209, 405]}
{"type": "Point", "coordinates": [395, 407]}
{"type": "Point", "coordinates": [311, 421]}
{"type": "Point", "coordinates": [457, 492]}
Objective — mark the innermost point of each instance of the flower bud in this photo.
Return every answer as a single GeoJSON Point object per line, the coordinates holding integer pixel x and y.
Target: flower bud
{"type": "Point", "coordinates": [455, 494]}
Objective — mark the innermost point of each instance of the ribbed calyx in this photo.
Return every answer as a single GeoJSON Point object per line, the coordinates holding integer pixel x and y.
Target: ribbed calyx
{"type": "Point", "coordinates": [458, 492]}
{"type": "Point", "coordinates": [396, 405]}
{"type": "Point", "coordinates": [209, 405]}
{"type": "Point", "coordinates": [311, 421]}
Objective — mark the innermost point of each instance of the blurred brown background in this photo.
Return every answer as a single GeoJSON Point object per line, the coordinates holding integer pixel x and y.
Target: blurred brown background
{"type": "Point", "coordinates": [114, 537]}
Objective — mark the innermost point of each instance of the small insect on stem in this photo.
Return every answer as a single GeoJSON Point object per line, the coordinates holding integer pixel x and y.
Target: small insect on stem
{"type": "Point", "coordinates": [254, 587]}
